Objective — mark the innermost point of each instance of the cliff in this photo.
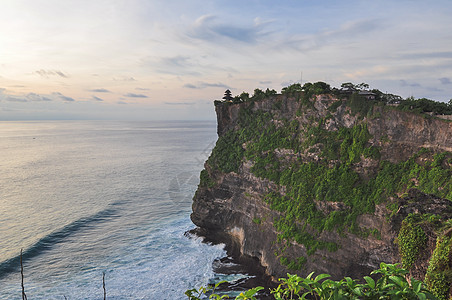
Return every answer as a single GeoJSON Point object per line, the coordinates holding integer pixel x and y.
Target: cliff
{"type": "Point", "coordinates": [319, 183]}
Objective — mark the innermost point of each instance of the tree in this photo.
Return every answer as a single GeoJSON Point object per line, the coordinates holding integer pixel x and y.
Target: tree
{"type": "Point", "coordinates": [321, 87]}
{"type": "Point", "coordinates": [354, 87]}
{"type": "Point", "coordinates": [348, 86]}
{"type": "Point", "coordinates": [227, 96]}
{"type": "Point", "coordinates": [291, 89]}
{"type": "Point", "coordinates": [258, 95]}
{"type": "Point", "coordinates": [269, 92]}
{"type": "Point", "coordinates": [362, 86]}
{"type": "Point", "coordinates": [244, 96]}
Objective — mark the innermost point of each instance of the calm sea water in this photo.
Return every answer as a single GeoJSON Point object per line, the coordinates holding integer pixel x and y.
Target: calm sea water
{"type": "Point", "coordinates": [82, 198]}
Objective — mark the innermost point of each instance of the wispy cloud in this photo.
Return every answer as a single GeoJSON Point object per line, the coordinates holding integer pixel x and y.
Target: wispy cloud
{"type": "Point", "coordinates": [184, 65]}
{"type": "Point", "coordinates": [411, 84]}
{"type": "Point", "coordinates": [132, 95]}
{"type": "Point", "coordinates": [174, 65]}
{"type": "Point", "coordinates": [60, 96]}
{"type": "Point", "coordinates": [101, 90]}
{"type": "Point", "coordinates": [97, 98]}
{"type": "Point", "coordinates": [445, 80]}
{"type": "Point", "coordinates": [343, 34]}
{"type": "Point", "coordinates": [15, 99]}
{"type": "Point", "coordinates": [124, 78]}
{"type": "Point", "coordinates": [424, 55]}
{"type": "Point", "coordinates": [433, 89]}
{"type": "Point", "coordinates": [180, 103]}
{"type": "Point", "coordinates": [203, 85]}
{"type": "Point", "coordinates": [37, 97]}
{"type": "Point", "coordinates": [50, 73]}
{"type": "Point", "coordinates": [208, 28]}
{"type": "Point", "coordinates": [30, 97]}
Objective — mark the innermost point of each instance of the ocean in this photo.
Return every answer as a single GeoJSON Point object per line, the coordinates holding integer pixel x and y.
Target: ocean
{"type": "Point", "coordinates": [83, 198]}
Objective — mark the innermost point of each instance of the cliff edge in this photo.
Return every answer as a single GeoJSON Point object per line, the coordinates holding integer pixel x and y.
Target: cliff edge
{"type": "Point", "coordinates": [330, 184]}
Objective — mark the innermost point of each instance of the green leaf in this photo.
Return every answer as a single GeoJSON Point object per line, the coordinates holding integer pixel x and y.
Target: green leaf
{"type": "Point", "coordinates": [309, 276]}
{"type": "Point", "coordinates": [397, 280]}
{"type": "Point", "coordinates": [321, 276]}
{"type": "Point", "coordinates": [370, 282]}
{"type": "Point", "coordinates": [417, 285]}
{"type": "Point", "coordinates": [221, 282]}
{"type": "Point", "coordinates": [357, 291]}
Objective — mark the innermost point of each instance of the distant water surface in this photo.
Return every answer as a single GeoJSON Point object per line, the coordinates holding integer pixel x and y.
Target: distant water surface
{"type": "Point", "coordinates": [82, 198]}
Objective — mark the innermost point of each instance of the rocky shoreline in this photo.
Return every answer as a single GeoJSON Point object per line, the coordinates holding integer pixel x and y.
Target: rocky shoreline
{"type": "Point", "coordinates": [235, 263]}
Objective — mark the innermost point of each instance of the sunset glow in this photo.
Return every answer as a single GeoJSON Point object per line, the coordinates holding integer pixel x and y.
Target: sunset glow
{"type": "Point", "coordinates": [169, 59]}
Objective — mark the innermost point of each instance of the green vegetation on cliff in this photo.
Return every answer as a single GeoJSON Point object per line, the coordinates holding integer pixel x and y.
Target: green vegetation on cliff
{"type": "Point", "coordinates": [411, 239]}
{"type": "Point", "coordinates": [318, 173]}
{"type": "Point", "coordinates": [329, 178]}
{"type": "Point", "coordinates": [439, 273]}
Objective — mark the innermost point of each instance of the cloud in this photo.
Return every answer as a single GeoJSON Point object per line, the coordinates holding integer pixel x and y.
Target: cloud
{"type": "Point", "coordinates": [203, 85]}
{"type": "Point", "coordinates": [184, 65]}
{"type": "Point", "coordinates": [37, 97]}
{"type": "Point", "coordinates": [174, 65]}
{"type": "Point", "coordinates": [265, 82]}
{"type": "Point", "coordinates": [49, 73]}
{"type": "Point", "coordinates": [348, 31]}
{"type": "Point", "coordinates": [434, 89]}
{"type": "Point", "coordinates": [405, 83]}
{"type": "Point", "coordinates": [423, 55]}
{"type": "Point", "coordinates": [142, 89]}
{"type": "Point", "coordinates": [15, 99]}
{"type": "Point", "coordinates": [100, 91]}
{"type": "Point", "coordinates": [180, 103]}
{"type": "Point", "coordinates": [445, 80]}
{"type": "Point", "coordinates": [132, 95]}
{"type": "Point", "coordinates": [178, 65]}
{"type": "Point", "coordinates": [287, 83]}
{"type": "Point", "coordinates": [124, 78]}
{"type": "Point", "coordinates": [355, 28]}
{"type": "Point", "coordinates": [97, 98]}
{"type": "Point", "coordinates": [208, 29]}
{"type": "Point", "coordinates": [30, 97]}
{"type": "Point", "coordinates": [60, 96]}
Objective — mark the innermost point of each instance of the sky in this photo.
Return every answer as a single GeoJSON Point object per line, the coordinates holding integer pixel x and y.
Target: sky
{"type": "Point", "coordinates": [169, 59]}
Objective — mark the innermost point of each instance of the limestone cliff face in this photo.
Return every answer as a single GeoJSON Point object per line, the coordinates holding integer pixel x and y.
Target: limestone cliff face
{"type": "Point", "coordinates": [232, 205]}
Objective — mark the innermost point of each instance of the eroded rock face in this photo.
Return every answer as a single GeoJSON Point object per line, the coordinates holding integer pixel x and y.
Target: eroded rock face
{"type": "Point", "coordinates": [236, 203]}
{"type": "Point", "coordinates": [409, 132]}
{"type": "Point", "coordinates": [234, 210]}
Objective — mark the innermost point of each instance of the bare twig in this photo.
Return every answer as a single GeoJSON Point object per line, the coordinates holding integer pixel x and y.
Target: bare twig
{"type": "Point", "coordinates": [103, 285]}
{"type": "Point", "coordinates": [24, 297]}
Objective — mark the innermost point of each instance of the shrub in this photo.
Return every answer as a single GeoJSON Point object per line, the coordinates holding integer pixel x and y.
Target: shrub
{"type": "Point", "coordinates": [392, 284]}
{"type": "Point", "coordinates": [411, 240]}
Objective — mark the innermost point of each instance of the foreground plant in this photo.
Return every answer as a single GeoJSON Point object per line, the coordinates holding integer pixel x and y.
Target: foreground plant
{"type": "Point", "coordinates": [392, 284]}
{"type": "Point", "coordinates": [202, 292]}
